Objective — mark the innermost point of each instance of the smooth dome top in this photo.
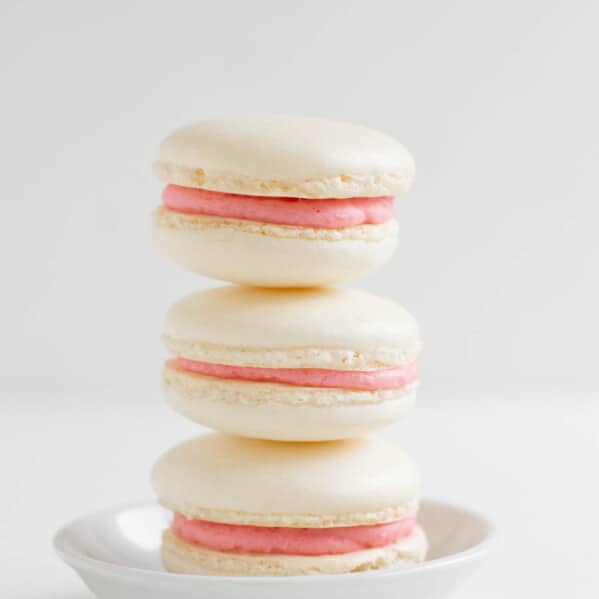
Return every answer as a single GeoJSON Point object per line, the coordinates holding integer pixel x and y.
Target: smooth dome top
{"type": "Point", "coordinates": [285, 155]}
{"type": "Point", "coordinates": [225, 478]}
{"type": "Point", "coordinates": [294, 320]}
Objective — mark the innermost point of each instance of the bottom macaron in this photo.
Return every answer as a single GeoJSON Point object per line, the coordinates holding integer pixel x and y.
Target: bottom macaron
{"type": "Point", "coordinates": [246, 507]}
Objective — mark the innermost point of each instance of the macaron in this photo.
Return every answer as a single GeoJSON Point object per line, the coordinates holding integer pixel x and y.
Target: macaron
{"type": "Point", "coordinates": [307, 364]}
{"type": "Point", "coordinates": [247, 507]}
{"type": "Point", "coordinates": [279, 201]}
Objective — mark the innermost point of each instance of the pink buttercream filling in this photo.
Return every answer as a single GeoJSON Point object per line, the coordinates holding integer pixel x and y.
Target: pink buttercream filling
{"type": "Point", "coordinates": [237, 538]}
{"type": "Point", "coordinates": [367, 380]}
{"type": "Point", "coordinates": [326, 214]}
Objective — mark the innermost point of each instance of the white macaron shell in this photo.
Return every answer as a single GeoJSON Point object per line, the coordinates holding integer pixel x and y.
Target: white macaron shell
{"type": "Point", "coordinates": [249, 481]}
{"type": "Point", "coordinates": [249, 254]}
{"type": "Point", "coordinates": [286, 148]}
{"type": "Point", "coordinates": [326, 327]}
{"type": "Point", "coordinates": [283, 412]}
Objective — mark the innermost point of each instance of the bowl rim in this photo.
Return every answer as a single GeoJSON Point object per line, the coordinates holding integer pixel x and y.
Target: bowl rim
{"type": "Point", "coordinates": [85, 563]}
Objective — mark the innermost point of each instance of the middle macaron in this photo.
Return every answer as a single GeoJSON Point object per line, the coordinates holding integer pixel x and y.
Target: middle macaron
{"type": "Point", "coordinates": [291, 364]}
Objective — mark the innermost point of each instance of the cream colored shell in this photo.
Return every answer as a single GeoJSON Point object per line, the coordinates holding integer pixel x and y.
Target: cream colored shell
{"type": "Point", "coordinates": [282, 412]}
{"type": "Point", "coordinates": [185, 558]}
{"type": "Point", "coordinates": [255, 253]}
{"type": "Point", "coordinates": [229, 479]}
{"type": "Point", "coordinates": [292, 328]}
{"type": "Point", "coordinates": [280, 155]}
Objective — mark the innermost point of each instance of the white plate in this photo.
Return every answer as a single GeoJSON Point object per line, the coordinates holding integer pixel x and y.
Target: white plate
{"type": "Point", "coordinates": [117, 554]}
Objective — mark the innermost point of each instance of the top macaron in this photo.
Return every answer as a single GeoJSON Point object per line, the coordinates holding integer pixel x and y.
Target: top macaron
{"type": "Point", "coordinates": [280, 201]}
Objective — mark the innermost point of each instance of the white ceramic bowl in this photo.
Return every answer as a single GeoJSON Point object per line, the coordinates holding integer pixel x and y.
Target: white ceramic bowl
{"type": "Point", "coordinates": [117, 554]}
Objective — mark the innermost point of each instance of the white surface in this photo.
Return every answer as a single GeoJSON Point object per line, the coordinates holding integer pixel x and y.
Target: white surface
{"type": "Point", "coordinates": [497, 103]}
{"type": "Point", "coordinates": [528, 461]}
{"type": "Point", "coordinates": [124, 547]}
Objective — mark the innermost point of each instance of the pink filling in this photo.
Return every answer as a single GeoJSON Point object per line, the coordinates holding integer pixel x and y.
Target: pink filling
{"type": "Point", "coordinates": [325, 214]}
{"type": "Point", "coordinates": [290, 541]}
{"type": "Point", "coordinates": [367, 380]}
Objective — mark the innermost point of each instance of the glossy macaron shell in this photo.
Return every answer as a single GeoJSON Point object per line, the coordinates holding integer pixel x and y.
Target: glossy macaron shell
{"type": "Point", "coordinates": [277, 155]}
{"type": "Point", "coordinates": [229, 479]}
{"type": "Point", "coordinates": [346, 329]}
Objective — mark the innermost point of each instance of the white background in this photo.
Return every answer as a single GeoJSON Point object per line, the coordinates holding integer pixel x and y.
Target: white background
{"type": "Point", "coordinates": [498, 256]}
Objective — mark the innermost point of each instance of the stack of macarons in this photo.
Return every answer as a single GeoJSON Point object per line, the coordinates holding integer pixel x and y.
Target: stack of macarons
{"type": "Point", "coordinates": [292, 373]}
